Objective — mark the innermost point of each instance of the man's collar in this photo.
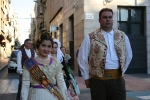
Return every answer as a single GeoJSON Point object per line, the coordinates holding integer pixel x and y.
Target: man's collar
{"type": "Point", "coordinates": [26, 48]}
{"type": "Point", "coordinates": [104, 32]}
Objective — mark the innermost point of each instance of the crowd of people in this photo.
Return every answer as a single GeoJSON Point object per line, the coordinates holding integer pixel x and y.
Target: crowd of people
{"type": "Point", "coordinates": [103, 57]}
{"type": "Point", "coordinates": [51, 77]}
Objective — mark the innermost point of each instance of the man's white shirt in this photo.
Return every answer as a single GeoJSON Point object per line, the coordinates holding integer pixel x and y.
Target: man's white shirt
{"type": "Point", "coordinates": [111, 54]}
{"type": "Point", "coordinates": [19, 59]}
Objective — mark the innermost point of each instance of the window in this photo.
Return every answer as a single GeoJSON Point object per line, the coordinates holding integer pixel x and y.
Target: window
{"type": "Point", "coordinates": [131, 20]}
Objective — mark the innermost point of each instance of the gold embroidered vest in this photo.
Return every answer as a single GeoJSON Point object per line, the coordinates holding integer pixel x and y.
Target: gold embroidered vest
{"type": "Point", "coordinates": [98, 51]}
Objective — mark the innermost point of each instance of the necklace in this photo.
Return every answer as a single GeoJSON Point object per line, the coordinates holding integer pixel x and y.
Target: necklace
{"type": "Point", "coordinates": [42, 59]}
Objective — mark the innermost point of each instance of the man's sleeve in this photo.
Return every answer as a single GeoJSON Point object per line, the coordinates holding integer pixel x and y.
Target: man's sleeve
{"type": "Point", "coordinates": [83, 54]}
{"type": "Point", "coordinates": [128, 53]}
{"type": "Point", "coordinates": [19, 63]}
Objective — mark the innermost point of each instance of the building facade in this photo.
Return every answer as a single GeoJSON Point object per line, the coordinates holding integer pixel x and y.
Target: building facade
{"type": "Point", "coordinates": [9, 30]}
{"type": "Point", "coordinates": [4, 32]}
{"type": "Point", "coordinates": [72, 20]}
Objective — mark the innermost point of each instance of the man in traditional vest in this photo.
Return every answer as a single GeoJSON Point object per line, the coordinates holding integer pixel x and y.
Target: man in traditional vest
{"type": "Point", "coordinates": [24, 53]}
{"type": "Point", "coordinates": [104, 56]}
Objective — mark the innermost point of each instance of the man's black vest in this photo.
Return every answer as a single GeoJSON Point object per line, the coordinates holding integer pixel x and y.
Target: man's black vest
{"type": "Point", "coordinates": [24, 55]}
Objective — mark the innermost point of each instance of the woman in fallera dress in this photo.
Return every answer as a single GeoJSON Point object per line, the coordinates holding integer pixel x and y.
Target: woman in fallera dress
{"type": "Point", "coordinates": [73, 90]}
{"type": "Point", "coordinates": [51, 68]}
{"type": "Point", "coordinates": [57, 54]}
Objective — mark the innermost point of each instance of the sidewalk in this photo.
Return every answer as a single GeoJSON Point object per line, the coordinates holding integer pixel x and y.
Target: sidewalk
{"type": "Point", "coordinates": [3, 62]}
{"type": "Point", "coordinates": [137, 87]}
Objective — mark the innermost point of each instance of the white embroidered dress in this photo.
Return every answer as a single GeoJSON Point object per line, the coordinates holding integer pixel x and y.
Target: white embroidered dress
{"type": "Point", "coordinates": [53, 73]}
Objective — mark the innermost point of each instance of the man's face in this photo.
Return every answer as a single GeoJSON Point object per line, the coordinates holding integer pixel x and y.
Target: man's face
{"type": "Point", "coordinates": [106, 20]}
{"type": "Point", "coordinates": [29, 45]}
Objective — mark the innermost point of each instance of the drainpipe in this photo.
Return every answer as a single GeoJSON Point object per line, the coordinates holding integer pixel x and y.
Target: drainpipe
{"type": "Point", "coordinates": [135, 2]}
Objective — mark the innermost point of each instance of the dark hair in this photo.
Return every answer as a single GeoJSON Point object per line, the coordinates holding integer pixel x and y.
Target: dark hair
{"type": "Point", "coordinates": [62, 47]}
{"type": "Point", "coordinates": [104, 9]}
{"type": "Point", "coordinates": [21, 47]}
{"type": "Point", "coordinates": [55, 43]}
{"type": "Point", "coordinates": [26, 40]}
{"type": "Point", "coordinates": [44, 36]}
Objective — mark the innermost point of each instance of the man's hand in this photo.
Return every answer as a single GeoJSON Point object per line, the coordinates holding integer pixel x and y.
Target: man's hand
{"type": "Point", "coordinates": [19, 72]}
{"type": "Point", "coordinates": [13, 59]}
{"type": "Point", "coordinates": [87, 83]}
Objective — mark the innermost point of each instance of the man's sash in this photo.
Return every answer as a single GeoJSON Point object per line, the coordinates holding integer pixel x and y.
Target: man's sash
{"type": "Point", "coordinates": [41, 78]}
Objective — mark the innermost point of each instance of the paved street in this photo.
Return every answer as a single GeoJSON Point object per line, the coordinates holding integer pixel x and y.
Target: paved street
{"type": "Point", "coordinates": [8, 85]}
{"type": "Point", "coordinates": [137, 85]}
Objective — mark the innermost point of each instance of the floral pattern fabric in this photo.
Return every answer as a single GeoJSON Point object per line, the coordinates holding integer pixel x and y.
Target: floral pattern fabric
{"type": "Point", "coordinates": [98, 51]}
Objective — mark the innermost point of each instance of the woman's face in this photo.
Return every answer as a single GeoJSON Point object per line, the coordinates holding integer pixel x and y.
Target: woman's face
{"type": "Point", "coordinates": [54, 49]}
{"type": "Point", "coordinates": [45, 48]}
{"type": "Point", "coordinates": [63, 50]}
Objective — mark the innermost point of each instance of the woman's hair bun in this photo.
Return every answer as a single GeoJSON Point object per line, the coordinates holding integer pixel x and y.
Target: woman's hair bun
{"type": "Point", "coordinates": [42, 37]}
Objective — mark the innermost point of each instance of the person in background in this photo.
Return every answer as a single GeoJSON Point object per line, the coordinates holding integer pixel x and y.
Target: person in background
{"type": "Point", "coordinates": [13, 56]}
{"type": "Point", "coordinates": [57, 54]}
{"type": "Point", "coordinates": [67, 57]}
{"type": "Point", "coordinates": [24, 53]}
{"type": "Point", "coordinates": [79, 72]}
{"type": "Point", "coordinates": [108, 53]}
{"type": "Point", "coordinates": [21, 47]}
{"type": "Point", "coordinates": [68, 73]}
{"type": "Point", "coordinates": [48, 69]}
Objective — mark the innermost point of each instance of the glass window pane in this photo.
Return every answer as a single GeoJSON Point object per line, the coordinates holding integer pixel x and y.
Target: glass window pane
{"type": "Point", "coordinates": [136, 15]}
{"type": "Point", "coordinates": [123, 27]}
{"type": "Point", "coordinates": [122, 14]}
{"type": "Point", "coordinates": [136, 29]}
{"type": "Point", "coordinates": [119, 15]}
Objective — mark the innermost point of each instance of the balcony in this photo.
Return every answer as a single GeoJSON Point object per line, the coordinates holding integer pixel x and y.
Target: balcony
{"type": "Point", "coordinates": [9, 23]}
{"type": "Point", "coordinates": [43, 26]}
{"type": "Point", "coordinates": [9, 1]}
{"type": "Point", "coordinates": [40, 10]}
{"type": "Point", "coordinates": [7, 17]}
{"type": "Point", "coordinates": [9, 37]}
{"type": "Point", "coordinates": [43, 2]}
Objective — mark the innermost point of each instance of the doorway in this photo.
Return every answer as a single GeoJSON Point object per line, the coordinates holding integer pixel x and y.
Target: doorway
{"type": "Point", "coordinates": [71, 39]}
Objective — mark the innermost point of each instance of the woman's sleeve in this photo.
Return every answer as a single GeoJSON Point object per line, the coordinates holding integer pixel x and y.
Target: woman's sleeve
{"type": "Point", "coordinates": [61, 83]}
{"type": "Point", "coordinates": [65, 69]}
{"type": "Point", "coordinates": [70, 62]}
{"type": "Point", "coordinates": [25, 84]}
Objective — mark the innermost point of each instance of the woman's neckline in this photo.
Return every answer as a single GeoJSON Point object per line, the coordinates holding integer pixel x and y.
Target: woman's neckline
{"type": "Point", "coordinates": [50, 62]}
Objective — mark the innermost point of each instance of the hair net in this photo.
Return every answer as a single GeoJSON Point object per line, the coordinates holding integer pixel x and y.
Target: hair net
{"type": "Point", "coordinates": [59, 52]}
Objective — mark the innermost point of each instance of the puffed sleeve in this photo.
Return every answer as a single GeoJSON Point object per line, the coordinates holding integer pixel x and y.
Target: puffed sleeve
{"type": "Point", "coordinates": [25, 84]}
{"type": "Point", "coordinates": [60, 82]}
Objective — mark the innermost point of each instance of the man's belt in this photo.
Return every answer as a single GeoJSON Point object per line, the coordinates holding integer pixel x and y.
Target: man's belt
{"type": "Point", "coordinates": [109, 74]}
{"type": "Point", "coordinates": [41, 78]}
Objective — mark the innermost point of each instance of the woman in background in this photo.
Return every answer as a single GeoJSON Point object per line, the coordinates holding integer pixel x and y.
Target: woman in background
{"type": "Point", "coordinates": [57, 54]}
{"type": "Point", "coordinates": [68, 77]}
{"type": "Point", "coordinates": [51, 79]}
{"type": "Point", "coordinates": [67, 57]}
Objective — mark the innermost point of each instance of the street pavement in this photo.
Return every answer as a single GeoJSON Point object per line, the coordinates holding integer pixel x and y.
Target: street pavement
{"type": "Point", "coordinates": [137, 85]}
